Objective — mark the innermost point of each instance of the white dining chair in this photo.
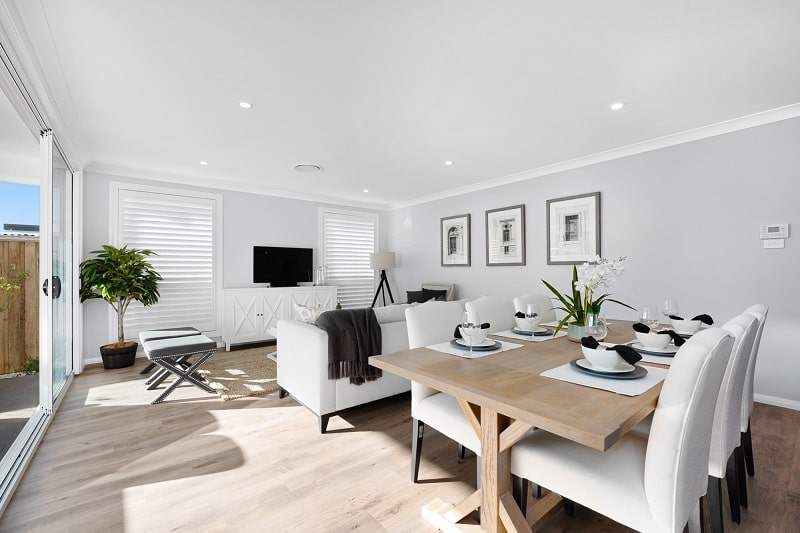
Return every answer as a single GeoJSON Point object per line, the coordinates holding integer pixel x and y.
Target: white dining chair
{"type": "Point", "coordinates": [759, 311]}
{"type": "Point", "coordinates": [725, 457]}
{"type": "Point", "coordinates": [647, 484]}
{"type": "Point", "coordinates": [542, 302]}
{"type": "Point", "coordinates": [431, 323]}
{"type": "Point", "coordinates": [497, 311]}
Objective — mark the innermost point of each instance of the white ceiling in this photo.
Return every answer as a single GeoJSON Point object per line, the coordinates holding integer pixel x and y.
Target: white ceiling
{"type": "Point", "coordinates": [381, 93]}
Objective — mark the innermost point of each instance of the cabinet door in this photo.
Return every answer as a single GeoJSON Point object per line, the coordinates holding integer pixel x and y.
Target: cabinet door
{"type": "Point", "coordinates": [325, 298]}
{"type": "Point", "coordinates": [302, 297]}
{"type": "Point", "coordinates": [272, 309]}
{"type": "Point", "coordinates": [244, 315]}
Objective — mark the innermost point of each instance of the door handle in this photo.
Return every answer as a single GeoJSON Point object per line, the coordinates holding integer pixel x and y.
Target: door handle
{"type": "Point", "coordinates": [56, 287]}
{"type": "Point", "coordinates": [44, 287]}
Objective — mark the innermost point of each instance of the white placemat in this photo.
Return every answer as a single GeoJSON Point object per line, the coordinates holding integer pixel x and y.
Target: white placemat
{"type": "Point", "coordinates": [628, 387]}
{"type": "Point", "coordinates": [529, 338]}
{"type": "Point", "coordinates": [446, 347]}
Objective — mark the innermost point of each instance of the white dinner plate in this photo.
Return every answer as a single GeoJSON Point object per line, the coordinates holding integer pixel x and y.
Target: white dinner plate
{"type": "Point", "coordinates": [669, 351]}
{"type": "Point", "coordinates": [621, 368]}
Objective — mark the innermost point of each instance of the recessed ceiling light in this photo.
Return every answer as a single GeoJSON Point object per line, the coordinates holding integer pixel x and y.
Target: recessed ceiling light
{"type": "Point", "coordinates": [245, 105]}
{"type": "Point", "coordinates": [616, 106]}
{"type": "Point", "coordinates": [305, 167]}
{"type": "Point", "coordinates": [448, 163]}
{"type": "Point", "coordinates": [204, 163]}
{"type": "Point", "coordinates": [366, 190]}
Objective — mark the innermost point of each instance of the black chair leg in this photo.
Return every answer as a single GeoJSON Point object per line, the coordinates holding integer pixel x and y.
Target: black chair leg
{"type": "Point", "coordinates": [536, 490]}
{"type": "Point", "coordinates": [747, 445]}
{"type": "Point", "coordinates": [282, 393]}
{"type": "Point", "coordinates": [733, 489]}
{"type": "Point", "coordinates": [519, 489]}
{"type": "Point", "coordinates": [323, 423]}
{"type": "Point", "coordinates": [569, 506]}
{"type": "Point", "coordinates": [738, 455]}
{"type": "Point", "coordinates": [714, 498]}
{"type": "Point", "coordinates": [461, 451]}
{"type": "Point", "coordinates": [417, 431]}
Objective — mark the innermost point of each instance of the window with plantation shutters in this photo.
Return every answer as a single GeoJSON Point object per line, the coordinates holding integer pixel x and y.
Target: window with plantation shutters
{"type": "Point", "coordinates": [348, 237]}
{"type": "Point", "coordinates": [181, 227]}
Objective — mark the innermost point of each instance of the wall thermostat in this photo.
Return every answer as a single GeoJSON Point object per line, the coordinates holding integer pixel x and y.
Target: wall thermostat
{"type": "Point", "coordinates": [774, 231]}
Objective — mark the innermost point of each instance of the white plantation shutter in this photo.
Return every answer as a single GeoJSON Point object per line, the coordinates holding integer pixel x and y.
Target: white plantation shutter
{"type": "Point", "coordinates": [347, 240]}
{"type": "Point", "coordinates": [180, 229]}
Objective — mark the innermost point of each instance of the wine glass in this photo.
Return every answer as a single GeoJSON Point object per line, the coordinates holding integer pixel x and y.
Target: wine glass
{"type": "Point", "coordinates": [532, 316]}
{"type": "Point", "coordinates": [599, 330]}
{"type": "Point", "coordinates": [669, 307]}
{"type": "Point", "coordinates": [650, 316]}
{"type": "Point", "coordinates": [470, 327]}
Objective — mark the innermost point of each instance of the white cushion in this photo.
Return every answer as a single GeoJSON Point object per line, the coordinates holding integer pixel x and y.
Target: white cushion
{"type": "Point", "coordinates": [391, 313]}
{"type": "Point", "coordinates": [442, 412]}
{"type": "Point", "coordinates": [308, 314]}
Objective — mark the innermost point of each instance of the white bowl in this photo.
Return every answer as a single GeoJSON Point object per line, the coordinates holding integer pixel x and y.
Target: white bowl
{"type": "Point", "coordinates": [653, 341]}
{"type": "Point", "coordinates": [527, 325]}
{"type": "Point", "coordinates": [685, 326]}
{"type": "Point", "coordinates": [602, 358]}
{"type": "Point", "coordinates": [476, 339]}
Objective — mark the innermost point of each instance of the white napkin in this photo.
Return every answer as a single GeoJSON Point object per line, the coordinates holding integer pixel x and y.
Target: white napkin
{"type": "Point", "coordinates": [628, 387]}
{"type": "Point", "coordinates": [446, 347]}
{"type": "Point", "coordinates": [530, 338]}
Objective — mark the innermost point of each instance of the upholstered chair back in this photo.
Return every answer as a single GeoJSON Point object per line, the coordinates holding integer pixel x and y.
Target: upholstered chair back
{"type": "Point", "coordinates": [676, 463]}
{"type": "Point", "coordinates": [497, 311]}
{"type": "Point", "coordinates": [726, 432]}
{"type": "Point", "coordinates": [542, 302]}
{"type": "Point", "coordinates": [759, 311]}
{"type": "Point", "coordinates": [430, 323]}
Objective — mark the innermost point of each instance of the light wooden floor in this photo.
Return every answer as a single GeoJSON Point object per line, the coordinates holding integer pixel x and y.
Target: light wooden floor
{"type": "Point", "coordinates": [112, 462]}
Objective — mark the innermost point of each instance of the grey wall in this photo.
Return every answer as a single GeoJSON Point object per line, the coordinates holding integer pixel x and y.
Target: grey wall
{"type": "Point", "coordinates": [687, 218]}
{"type": "Point", "coordinates": [248, 220]}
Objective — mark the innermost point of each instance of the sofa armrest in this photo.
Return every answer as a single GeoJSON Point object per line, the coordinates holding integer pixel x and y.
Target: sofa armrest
{"type": "Point", "coordinates": [303, 365]}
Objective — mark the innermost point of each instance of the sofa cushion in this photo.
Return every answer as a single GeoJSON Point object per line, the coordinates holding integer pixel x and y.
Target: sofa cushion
{"type": "Point", "coordinates": [308, 314]}
{"type": "Point", "coordinates": [424, 295]}
{"type": "Point", "coordinates": [391, 313]}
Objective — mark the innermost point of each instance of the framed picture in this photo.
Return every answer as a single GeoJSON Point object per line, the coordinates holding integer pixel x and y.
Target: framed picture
{"type": "Point", "coordinates": [505, 236]}
{"type": "Point", "coordinates": [455, 241]}
{"type": "Point", "coordinates": [573, 229]}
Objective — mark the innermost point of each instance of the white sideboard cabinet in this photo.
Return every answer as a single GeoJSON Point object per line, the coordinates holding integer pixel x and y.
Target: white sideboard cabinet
{"type": "Point", "coordinates": [251, 315]}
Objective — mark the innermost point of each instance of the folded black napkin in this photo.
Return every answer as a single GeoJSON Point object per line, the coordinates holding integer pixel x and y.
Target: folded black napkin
{"type": "Point", "coordinates": [630, 355]}
{"type": "Point", "coordinates": [677, 339]}
{"type": "Point", "coordinates": [520, 314]}
{"type": "Point", "coordinates": [704, 318]}
{"type": "Point", "coordinates": [457, 332]}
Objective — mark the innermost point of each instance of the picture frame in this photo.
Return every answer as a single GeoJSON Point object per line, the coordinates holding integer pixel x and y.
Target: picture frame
{"type": "Point", "coordinates": [573, 229]}
{"type": "Point", "coordinates": [455, 240]}
{"type": "Point", "coordinates": [505, 236]}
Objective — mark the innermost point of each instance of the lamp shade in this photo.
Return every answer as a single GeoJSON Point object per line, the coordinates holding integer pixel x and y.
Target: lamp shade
{"type": "Point", "coordinates": [381, 260]}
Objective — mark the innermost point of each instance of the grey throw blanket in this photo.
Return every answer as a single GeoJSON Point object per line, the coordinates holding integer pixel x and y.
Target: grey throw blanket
{"type": "Point", "coordinates": [353, 335]}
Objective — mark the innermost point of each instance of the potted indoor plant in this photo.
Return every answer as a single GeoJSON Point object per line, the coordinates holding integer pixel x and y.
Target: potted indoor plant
{"type": "Point", "coordinates": [119, 276]}
{"type": "Point", "coordinates": [582, 309]}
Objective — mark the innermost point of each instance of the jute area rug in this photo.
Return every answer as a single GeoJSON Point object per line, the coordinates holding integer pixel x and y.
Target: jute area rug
{"type": "Point", "coordinates": [241, 373]}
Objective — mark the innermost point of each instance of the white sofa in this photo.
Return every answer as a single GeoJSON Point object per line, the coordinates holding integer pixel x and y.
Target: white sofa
{"type": "Point", "coordinates": [303, 366]}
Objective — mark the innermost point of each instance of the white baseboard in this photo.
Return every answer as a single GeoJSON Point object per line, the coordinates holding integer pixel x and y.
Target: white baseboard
{"type": "Point", "coordinates": [779, 402]}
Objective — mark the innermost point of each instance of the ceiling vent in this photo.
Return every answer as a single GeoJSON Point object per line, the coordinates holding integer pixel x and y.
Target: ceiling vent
{"type": "Point", "coordinates": [307, 168]}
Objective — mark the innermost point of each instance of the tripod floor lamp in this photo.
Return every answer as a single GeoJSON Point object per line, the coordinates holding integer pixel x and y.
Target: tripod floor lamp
{"type": "Point", "coordinates": [381, 261]}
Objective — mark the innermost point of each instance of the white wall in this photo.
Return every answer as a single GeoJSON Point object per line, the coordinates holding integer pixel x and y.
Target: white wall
{"type": "Point", "coordinates": [687, 217]}
{"type": "Point", "coordinates": [248, 220]}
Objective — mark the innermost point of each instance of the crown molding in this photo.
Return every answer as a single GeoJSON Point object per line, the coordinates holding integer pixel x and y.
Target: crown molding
{"type": "Point", "coordinates": [227, 183]}
{"type": "Point", "coordinates": [697, 134]}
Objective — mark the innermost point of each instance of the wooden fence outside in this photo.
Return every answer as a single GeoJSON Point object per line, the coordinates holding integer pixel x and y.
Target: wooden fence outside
{"type": "Point", "coordinates": [19, 324]}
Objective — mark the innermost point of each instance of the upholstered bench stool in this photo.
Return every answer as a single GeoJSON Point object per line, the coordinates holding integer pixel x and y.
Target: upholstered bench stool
{"type": "Point", "coordinates": [166, 333]}
{"type": "Point", "coordinates": [171, 353]}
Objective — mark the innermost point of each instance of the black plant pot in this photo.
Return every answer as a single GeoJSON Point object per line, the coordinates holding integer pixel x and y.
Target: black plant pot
{"type": "Point", "coordinates": [118, 356]}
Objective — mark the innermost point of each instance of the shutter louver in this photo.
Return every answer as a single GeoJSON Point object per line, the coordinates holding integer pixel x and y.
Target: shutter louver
{"type": "Point", "coordinates": [180, 229]}
{"type": "Point", "coordinates": [347, 242]}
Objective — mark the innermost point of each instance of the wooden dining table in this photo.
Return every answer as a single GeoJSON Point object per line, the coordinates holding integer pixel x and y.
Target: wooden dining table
{"type": "Point", "coordinates": [504, 396]}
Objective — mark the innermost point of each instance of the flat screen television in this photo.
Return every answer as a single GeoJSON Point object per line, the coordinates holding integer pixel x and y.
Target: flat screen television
{"type": "Point", "coordinates": [282, 267]}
